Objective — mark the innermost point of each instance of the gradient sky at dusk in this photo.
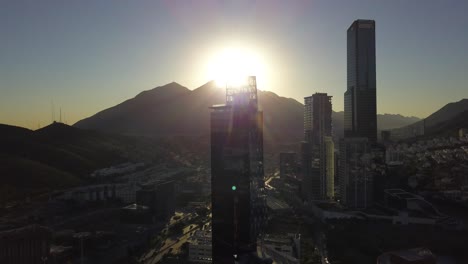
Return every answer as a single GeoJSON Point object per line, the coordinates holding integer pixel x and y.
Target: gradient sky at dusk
{"type": "Point", "coordinates": [89, 55]}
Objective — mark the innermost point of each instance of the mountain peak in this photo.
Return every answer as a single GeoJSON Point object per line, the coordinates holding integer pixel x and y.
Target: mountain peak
{"type": "Point", "coordinates": [170, 89]}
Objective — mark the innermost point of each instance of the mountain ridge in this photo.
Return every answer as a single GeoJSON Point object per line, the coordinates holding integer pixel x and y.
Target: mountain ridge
{"type": "Point", "coordinates": [187, 113]}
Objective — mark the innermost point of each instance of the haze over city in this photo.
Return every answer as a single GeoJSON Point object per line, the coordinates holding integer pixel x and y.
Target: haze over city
{"type": "Point", "coordinates": [87, 56]}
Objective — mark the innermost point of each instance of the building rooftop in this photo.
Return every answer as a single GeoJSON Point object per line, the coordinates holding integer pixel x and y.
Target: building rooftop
{"type": "Point", "coordinates": [275, 204]}
{"type": "Point", "coordinates": [201, 237]}
{"type": "Point", "coordinates": [414, 255]}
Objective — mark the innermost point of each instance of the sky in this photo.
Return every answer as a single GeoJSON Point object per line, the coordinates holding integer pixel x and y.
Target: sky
{"type": "Point", "coordinates": [85, 56]}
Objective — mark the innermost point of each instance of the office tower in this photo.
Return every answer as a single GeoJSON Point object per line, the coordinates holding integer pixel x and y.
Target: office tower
{"type": "Point", "coordinates": [310, 187]}
{"type": "Point", "coordinates": [317, 126]}
{"type": "Point", "coordinates": [159, 197]}
{"type": "Point", "coordinates": [317, 118]}
{"type": "Point", "coordinates": [356, 174]}
{"type": "Point", "coordinates": [360, 117]}
{"type": "Point", "coordinates": [327, 168]}
{"type": "Point", "coordinates": [237, 183]}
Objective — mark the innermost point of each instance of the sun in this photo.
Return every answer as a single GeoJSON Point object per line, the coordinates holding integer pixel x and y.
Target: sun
{"type": "Point", "coordinates": [231, 66]}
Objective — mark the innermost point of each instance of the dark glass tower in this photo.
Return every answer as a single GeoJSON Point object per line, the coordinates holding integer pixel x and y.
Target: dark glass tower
{"type": "Point", "coordinates": [317, 118]}
{"type": "Point", "coordinates": [317, 127]}
{"type": "Point", "coordinates": [360, 105]}
{"type": "Point", "coordinates": [237, 183]}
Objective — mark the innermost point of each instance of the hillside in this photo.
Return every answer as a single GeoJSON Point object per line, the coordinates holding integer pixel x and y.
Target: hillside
{"type": "Point", "coordinates": [445, 121]}
{"type": "Point", "coordinates": [60, 156]}
{"type": "Point", "coordinates": [449, 127]}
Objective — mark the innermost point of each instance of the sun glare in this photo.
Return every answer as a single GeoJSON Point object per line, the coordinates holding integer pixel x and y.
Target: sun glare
{"type": "Point", "coordinates": [233, 65]}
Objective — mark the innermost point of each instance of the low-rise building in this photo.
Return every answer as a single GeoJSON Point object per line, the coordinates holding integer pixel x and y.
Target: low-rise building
{"type": "Point", "coordinates": [200, 248]}
{"type": "Point", "coordinates": [282, 249]}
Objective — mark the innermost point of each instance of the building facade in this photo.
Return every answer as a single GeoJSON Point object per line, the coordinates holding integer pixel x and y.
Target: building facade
{"type": "Point", "coordinates": [316, 159]}
{"type": "Point", "coordinates": [159, 198]}
{"type": "Point", "coordinates": [237, 177]}
{"type": "Point", "coordinates": [310, 186]}
{"type": "Point", "coordinates": [200, 248]}
{"type": "Point", "coordinates": [360, 107]}
{"type": "Point", "coordinates": [26, 245]}
{"type": "Point", "coordinates": [317, 118]}
{"type": "Point", "coordinates": [356, 178]}
{"type": "Point", "coordinates": [327, 168]}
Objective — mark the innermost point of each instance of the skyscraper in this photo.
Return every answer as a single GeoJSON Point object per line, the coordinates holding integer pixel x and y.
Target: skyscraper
{"type": "Point", "coordinates": [355, 176]}
{"type": "Point", "coordinates": [317, 118]}
{"type": "Point", "coordinates": [310, 188]}
{"type": "Point", "coordinates": [317, 128]}
{"type": "Point", "coordinates": [238, 206]}
{"type": "Point", "coordinates": [327, 168]}
{"type": "Point", "coordinates": [360, 105]}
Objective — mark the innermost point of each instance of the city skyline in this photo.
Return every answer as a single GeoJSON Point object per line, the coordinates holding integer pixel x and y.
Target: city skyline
{"type": "Point", "coordinates": [86, 57]}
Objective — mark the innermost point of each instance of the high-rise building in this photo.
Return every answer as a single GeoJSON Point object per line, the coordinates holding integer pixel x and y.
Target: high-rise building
{"type": "Point", "coordinates": [310, 187]}
{"type": "Point", "coordinates": [237, 178]}
{"type": "Point", "coordinates": [317, 127]}
{"type": "Point", "coordinates": [360, 107]}
{"type": "Point", "coordinates": [355, 175]}
{"type": "Point", "coordinates": [317, 118]}
{"type": "Point", "coordinates": [327, 168]}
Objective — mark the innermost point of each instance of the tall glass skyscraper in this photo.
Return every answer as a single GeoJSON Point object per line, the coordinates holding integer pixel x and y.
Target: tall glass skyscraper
{"type": "Point", "coordinates": [360, 105]}
{"type": "Point", "coordinates": [237, 178]}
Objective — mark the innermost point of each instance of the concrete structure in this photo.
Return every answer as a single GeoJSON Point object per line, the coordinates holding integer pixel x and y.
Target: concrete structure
{"type": "Point", "coordinates": [102, 192]}
{"type": "Point", "coordinates": [200, 248]}
{"type": "Point", "coordinates": [237, 177]}
{"type": "Point", "coordinates": [26, 245]}
{"type": "Point", "coordinates": [360, 107]}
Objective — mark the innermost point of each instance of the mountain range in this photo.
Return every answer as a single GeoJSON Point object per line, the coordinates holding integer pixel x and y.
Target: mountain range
{"type": "Point", "coordinates": [165, 125]}
{"type": "Point", "coordinates": [173, 109]}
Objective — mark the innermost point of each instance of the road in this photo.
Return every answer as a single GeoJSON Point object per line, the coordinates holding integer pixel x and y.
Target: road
{"type": "Point", "coordinates": [169, 243]}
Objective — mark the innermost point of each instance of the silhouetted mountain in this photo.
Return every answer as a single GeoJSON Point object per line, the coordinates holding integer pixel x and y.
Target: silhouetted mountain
{"type": "Point", "coordinates": [446, 113]}
{"type": "Point", "coordinates": [390, 121]}
{"type": "Point", "coordinates": [175, 110]}
{"type": "Point", "coordinates": [449, 127]}
{"type": "Point", "coordinates": [384, 122]}
{"type": "Point", "coordinates": [446, 120]}
{"type": "Point", "coordinates": [185, 112]}
{"type": "Point", "coordinates": [59, 156]}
